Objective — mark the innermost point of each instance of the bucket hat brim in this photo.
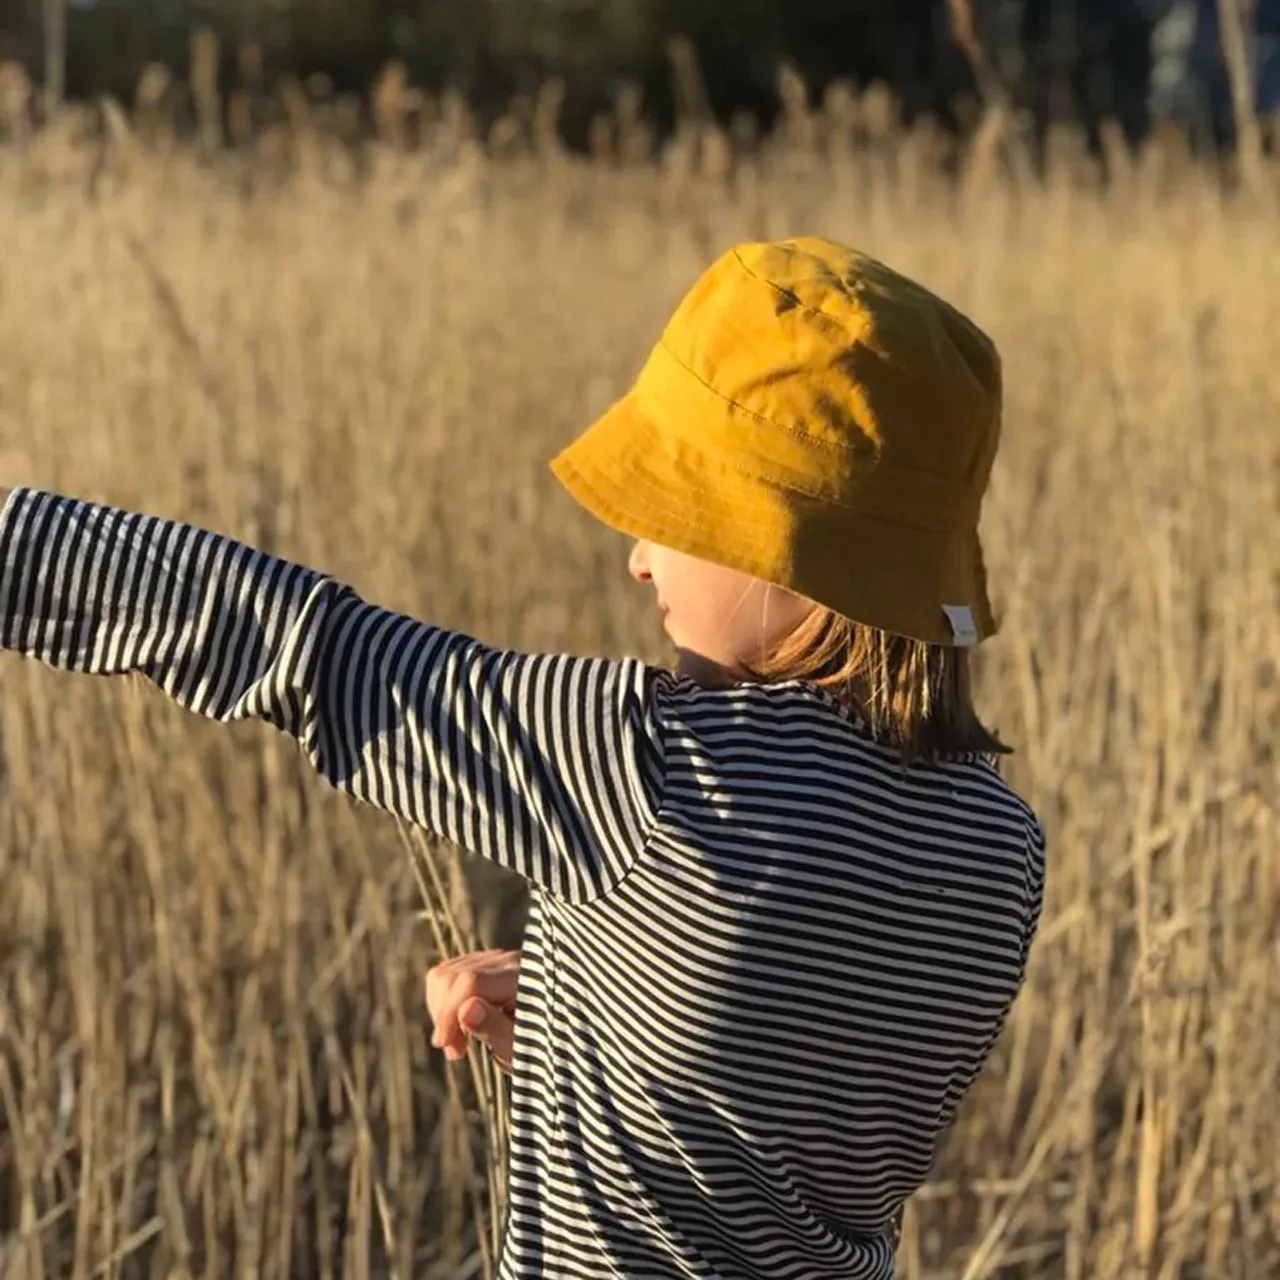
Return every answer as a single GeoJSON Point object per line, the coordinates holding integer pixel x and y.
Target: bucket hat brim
{"type": "Point", "coordinates": [661, 487]}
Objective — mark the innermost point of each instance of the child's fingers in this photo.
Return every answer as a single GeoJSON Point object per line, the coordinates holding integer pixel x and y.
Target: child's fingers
{"type": "Point", "coordinates": [493, 1026]}
{"type": "Point", "coordinates": [498, 990]}
{"type": "Point", "coordinates": [488, 1024]}
{"type": "Point", "coordinates": [491, 977]}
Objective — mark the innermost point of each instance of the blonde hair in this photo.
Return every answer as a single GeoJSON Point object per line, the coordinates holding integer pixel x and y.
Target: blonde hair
{"type": "Point", "coordinates": [914, 696]}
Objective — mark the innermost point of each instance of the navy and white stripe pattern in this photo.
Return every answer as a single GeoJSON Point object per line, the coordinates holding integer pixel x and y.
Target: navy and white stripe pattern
{"type": "Point", "coordinates": [763, 964]}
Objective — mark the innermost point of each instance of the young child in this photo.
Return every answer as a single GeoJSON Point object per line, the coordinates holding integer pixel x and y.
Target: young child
{"type": "Point", "coordinates": [781, 898]}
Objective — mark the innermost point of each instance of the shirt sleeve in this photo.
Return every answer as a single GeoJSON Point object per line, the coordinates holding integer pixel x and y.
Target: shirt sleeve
{"type": "Point", "coordinates": [550, 766]}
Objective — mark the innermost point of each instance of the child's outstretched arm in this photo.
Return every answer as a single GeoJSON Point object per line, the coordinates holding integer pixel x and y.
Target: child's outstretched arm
{"type": "Point", "coordinates": [550, 766]}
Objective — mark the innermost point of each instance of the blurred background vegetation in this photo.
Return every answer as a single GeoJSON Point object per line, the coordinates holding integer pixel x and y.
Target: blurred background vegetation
{"type": "Point", "coordinates": [323, 274]}
{"type": "Point", "coordinates": [1075, 61]}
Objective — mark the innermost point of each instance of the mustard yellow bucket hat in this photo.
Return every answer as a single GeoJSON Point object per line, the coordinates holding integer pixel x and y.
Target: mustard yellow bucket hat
{"type": "Point", "coordinates": [817, 420]}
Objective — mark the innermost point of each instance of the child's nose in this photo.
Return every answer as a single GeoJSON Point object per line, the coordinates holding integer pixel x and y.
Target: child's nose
{"type": "Point", "coordinates": [638, 564]}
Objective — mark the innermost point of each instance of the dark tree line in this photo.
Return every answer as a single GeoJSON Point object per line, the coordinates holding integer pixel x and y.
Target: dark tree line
{"type": "Point", "coordinates": [1080, 60]}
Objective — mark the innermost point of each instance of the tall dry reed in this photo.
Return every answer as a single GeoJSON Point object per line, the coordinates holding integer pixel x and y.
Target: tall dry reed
{"type": "Point", "coordinates": [213, 1055]}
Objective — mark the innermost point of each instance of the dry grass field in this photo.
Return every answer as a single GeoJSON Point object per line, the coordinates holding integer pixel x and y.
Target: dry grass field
{"type": "Point", "coordinates": [214, 1059]}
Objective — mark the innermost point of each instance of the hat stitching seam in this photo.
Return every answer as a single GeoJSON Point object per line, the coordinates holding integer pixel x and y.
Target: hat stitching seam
{"type": "Point", "coordinates": [809, 493]}
{"type": "Point", "coordinates": [844, 506]}
{"type": "Point", "coordinates": [760, 418]}
{"type": "Point", "coordinates": [800, 435]}
{"type": "Point", "coordinates": [788, 293]}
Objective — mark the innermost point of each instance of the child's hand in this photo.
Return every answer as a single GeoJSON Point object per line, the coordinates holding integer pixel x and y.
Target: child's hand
{"type": "Point", "coordinates": [479, 983]}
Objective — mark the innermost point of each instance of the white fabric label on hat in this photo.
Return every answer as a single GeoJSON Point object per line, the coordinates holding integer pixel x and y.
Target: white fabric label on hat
{"type": "Point", "coordinates": [963, 630]}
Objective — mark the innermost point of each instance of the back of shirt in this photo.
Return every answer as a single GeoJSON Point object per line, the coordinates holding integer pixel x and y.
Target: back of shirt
{"type": "Point", "coordinates": [768, 1023]}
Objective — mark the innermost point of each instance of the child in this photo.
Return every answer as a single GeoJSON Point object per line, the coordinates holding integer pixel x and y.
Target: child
{"type": "Point", "coordinates": [781, 898]}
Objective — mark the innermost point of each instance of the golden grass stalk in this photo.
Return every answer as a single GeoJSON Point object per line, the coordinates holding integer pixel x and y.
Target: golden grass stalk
{"type": "Point", "coordinates": [390, 104]}
{"type": "Point", "coordinates": [546, 121]}
{"type": "Point", "coordinates": [15, 102]}
{"type": "Point", "coordinates": [1248, 129]}
{"type": "Point", "coordinates": [205, 55]}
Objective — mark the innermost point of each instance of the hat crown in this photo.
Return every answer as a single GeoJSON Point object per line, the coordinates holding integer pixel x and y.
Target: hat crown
{"type": "Point", "coordinates": [865, 378]}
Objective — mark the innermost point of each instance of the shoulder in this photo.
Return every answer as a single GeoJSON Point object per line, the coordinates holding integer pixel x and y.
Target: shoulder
{"type": "Point", "coordinates": [743, 710]}
{"type": "Point", "coordinates": [804, 727]}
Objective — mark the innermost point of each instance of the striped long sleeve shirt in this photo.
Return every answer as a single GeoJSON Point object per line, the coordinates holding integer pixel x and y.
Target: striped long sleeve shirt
{"type": "Point", "coordinates": [762, 965]}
